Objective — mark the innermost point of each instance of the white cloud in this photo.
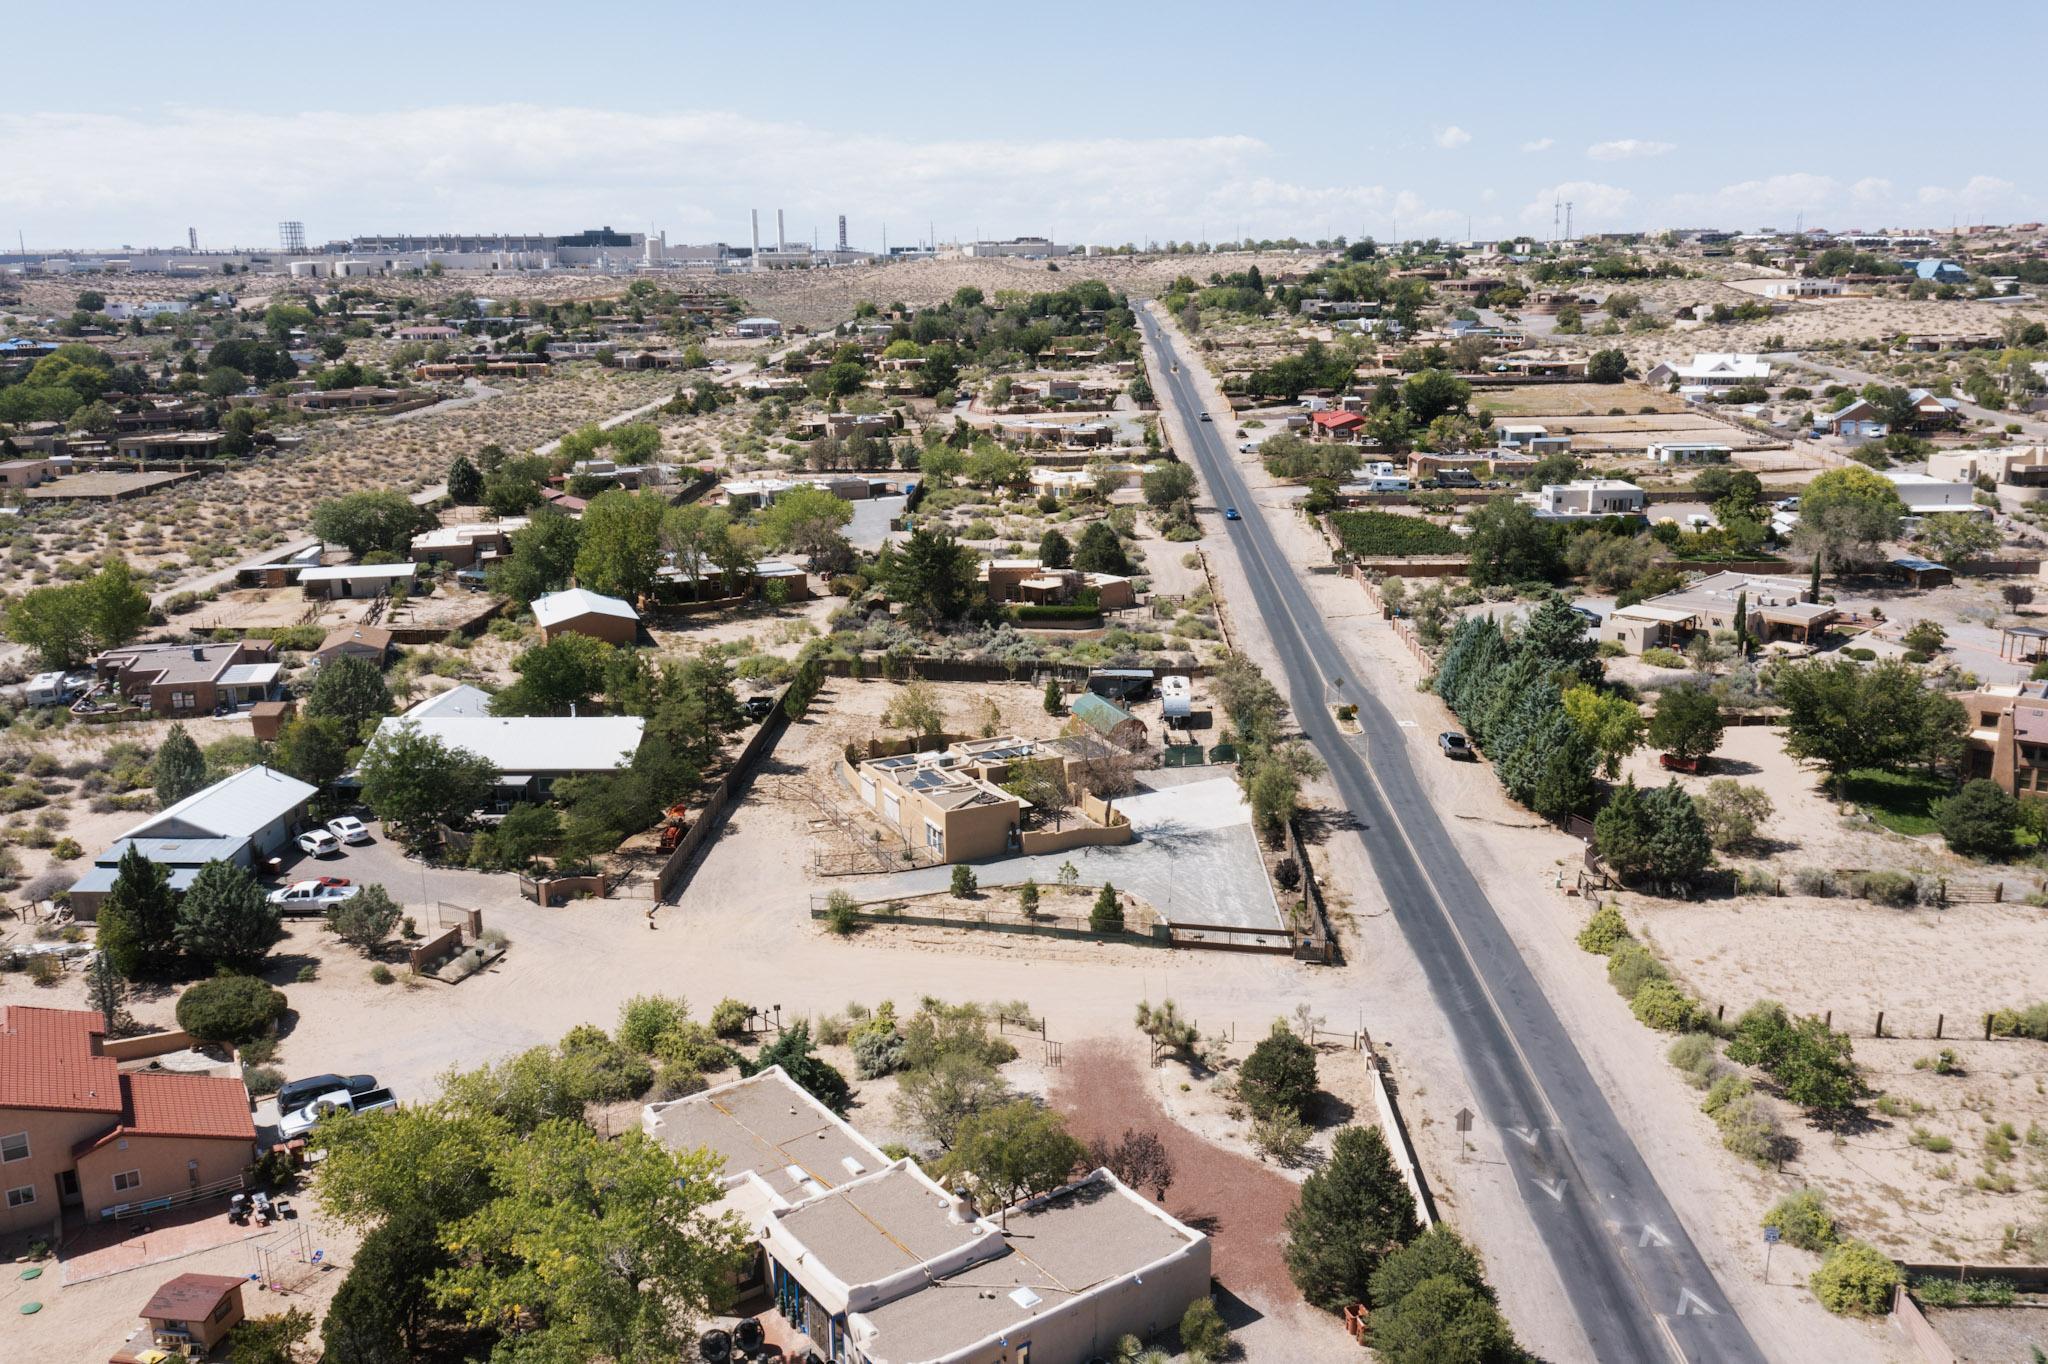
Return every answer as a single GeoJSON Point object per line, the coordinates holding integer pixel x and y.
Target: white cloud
{"type": "Point", "coordinates": [1980, 191]}
{"type": "Point", "coordinates": [1628, 149]}
{"type": "Point", "coordinates": [1871, 189]}
{"type": "Point", "coordinates": [1749, 202]}
{"type": "Point", "coordinates": [1452, 137]}
{"type": "Point", "coordinates": [99, 180]}
{"type": "Point", "coordinates": [1541, 144]}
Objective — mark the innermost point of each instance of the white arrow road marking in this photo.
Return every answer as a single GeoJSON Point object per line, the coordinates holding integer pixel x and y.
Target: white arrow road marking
{"type": "Point", "coordinates": [1652, 1237]}
{"type": "Point", "coordinates": [1690, 1304]}
{"type": "Point", "coordinates": [1553, 1187]}
{"type": "Point", "coordinates": [1407, 724]}
{"type": "Point", "coordinates": [1527, 1134]}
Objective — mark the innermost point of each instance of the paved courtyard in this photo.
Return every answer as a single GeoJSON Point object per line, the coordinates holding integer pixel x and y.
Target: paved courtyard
{"type": "Point", "coordinates": [1195, 859]}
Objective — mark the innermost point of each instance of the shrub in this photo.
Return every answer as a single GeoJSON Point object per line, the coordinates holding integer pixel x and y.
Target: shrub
{"type": "Point", "coordinates": [1630, 965]}
{"type": "Point", "coordinates": [1663, 1006]}
{"type": "Point", "coordinates": [1814, 881]}
{"type": "Point", "coordinates": [381, 974]}
{"type": "Point", "coordinates": [263, 1079]}
{"type": "Point", "coordinates": [45, 969]}
{"type": "Point", "coordinates": [1802, 1219]}
{"type": "Point", "coordinates": [1749, 1128]}
{"type": "Point", "coordinates": [1732, 812]}
{"type": "Point", "coordinates": [877, 1053]}
{"type": "Point", "coordinates": [643, 1020]}
{"type": "Point", "coordinates": [842, 917]}
{"type": "Point", "coordinates": [1664, 658]}
{"type": "Point", "coordinates": [1943, 1291]}
{"type": "Point", "coordinates": [1696, 1058]}
{"type": "Point", "coordinates": [1369, 534]}
{"type": "Point", "coordinates": [1979, 819]}
{"type": "Point", "coordinates": [964, 882]}
{"type": "Point", "coordinates": [692, 1046]}
{"type": "Point", "coordinates": [1202, 1333]}
{"type": "Point", "coordinates": [2031, 1021]}
{"type": "Point", "coordinates": [230, 1009]}
{"type": "Point", "coordinates": [1281, 1138]}
{"type": "Point", "coordinates": [729, 1017]}
{"type": "Point", "coordinates": [1605, 931]}
{"type": "Point", "coordinates": [1279, 1075]}
{"type": "Point", "coordinates": [1106, 915]}
{"type": "Point", "coordinates": [66, 849]}
{"type": "Point", "coordinates": [1723, 1092]}
{"type": "Point", "coordinates": [1857, 1279]}
{"type": "Point", "coordinates": [1893, 888]}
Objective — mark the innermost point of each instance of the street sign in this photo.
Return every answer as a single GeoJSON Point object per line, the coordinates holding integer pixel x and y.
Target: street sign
{"type": "Point", "coordinates": [1464, 1120]}
{"type": "Point", "coordinates": [1770, 1236]}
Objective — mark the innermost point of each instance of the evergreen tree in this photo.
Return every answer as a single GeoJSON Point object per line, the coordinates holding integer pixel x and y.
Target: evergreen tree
{"type": "Point", "coordinates": [1679, 846]}
{"type": "Point", "coordinates": [1352, 1214]}
{"type": "Point", "coordinates": [793, 1052]}
{"type": "Point", "coordinates": [1444, 1321]}
{"type": "Point", "coordinates": [1100, 551]}
{"type": "Point", "coordinates": [104, 988]}
{"type": "Point", "coordinates": [1557, 637]}
{"type": "Point", "coordinates": [225, 920]}
{"type": "Point", "coordinates": [179, 769]}
{"type": "Point", "coordinates": [1053, 549]}
{"type": "Point", "coordinates": [139, 920]}
{"type": "Point", "coordinates": [379, 1312]}
{"type": "Point", "coordinates": [350, 690]}
{"type": "Point", "coordinates": [1437, 1253]}
{"type": "Point", "coordinates": [1279, 1076]}
{"type": "Point", "coordinates": [1055, 702]}
{"type": "Point", "coordinates": [1107, 914]}
{"type": "Point", "coordinates": [465, 483]}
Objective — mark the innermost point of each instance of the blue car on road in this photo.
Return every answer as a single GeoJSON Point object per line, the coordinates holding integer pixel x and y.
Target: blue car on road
{"type": "Point", "coordinates": [1230, 514]}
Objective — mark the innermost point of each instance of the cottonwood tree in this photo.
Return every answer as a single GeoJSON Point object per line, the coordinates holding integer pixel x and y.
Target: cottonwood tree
{"type": "Point", "coordinates": [1686, 723]}
{"type": "Point", "coordinates": [620, 550]}
{"type": "Point", "coordinates": [1014, 1152]}
{"type": "Point", "coordinates": [414, 781]}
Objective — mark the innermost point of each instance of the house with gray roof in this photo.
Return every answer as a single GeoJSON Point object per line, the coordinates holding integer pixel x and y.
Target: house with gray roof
{"type": "Point", "coordinates": [245, 819]}
{"type": "Point", "coordinates": [877, 1264]}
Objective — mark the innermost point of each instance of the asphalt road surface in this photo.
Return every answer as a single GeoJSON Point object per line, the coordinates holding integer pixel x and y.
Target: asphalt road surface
{"type": "Point", "coordinates": [1638, 1285]}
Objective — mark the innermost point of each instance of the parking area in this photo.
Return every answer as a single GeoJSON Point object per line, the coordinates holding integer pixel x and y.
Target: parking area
{"type": "Point", "coordinates": [408, 880]}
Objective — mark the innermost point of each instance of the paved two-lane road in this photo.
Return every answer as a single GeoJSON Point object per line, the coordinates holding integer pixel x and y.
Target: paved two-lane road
{"type": "Point", "coordinates": [1638, 1285]}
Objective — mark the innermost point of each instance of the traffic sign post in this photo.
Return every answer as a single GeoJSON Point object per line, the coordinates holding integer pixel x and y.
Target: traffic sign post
{"type": "Point", "coordinates": [1464, 1121]}
{"type": "Point", "coordinates": [1770, 1240]}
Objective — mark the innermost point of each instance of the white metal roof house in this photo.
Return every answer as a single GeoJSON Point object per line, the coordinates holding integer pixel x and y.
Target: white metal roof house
{"type": "Point", "coordinates": [531, 751]}
{"type": "Point", "coordinates": [1713, 369]}
{"type": "Point", "coordinates": [1586, 499]}
{"type": "Point", "coordinates": [242, 819]}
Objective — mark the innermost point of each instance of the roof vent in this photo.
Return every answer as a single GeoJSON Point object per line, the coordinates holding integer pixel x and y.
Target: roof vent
{"type": "Point", "coordinates": [1025, 1298]}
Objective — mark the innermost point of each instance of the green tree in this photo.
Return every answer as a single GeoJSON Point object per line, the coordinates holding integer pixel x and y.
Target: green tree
{"type": "Point", "coordinates": [1015, 1151]}
{"type": "Point", "coordinates": [1509, 545]}
{"type": "Point", "coordinates": [138, 921]}
{"type": "Point", "coordinates": [1845, 515]}
{"type": "Point", "coordinates": [179, 769]}
{"type": "Point", "coordinates": [1353, 1212]}
{"type": "Point", "coordinates": [1279, 1076]}
{"type": "Point", "coordinates": [806, 521]}
{"type": "Point", "coordinates": [935, 1099]}
{"type": "Point", "coordinates": [1979, 820]}
{"type": "Point", "coordinates": [116, 608]}
{"type": "Point", "coordinates": [1641, 833]}
{"type": "Point", "coordinates": [1955, 537]}
{"type": "Point", "coordinates": [609, 1248]}
{"type": "Point", "coordinates": [635, 442]}
{"type": "Point", "coordinates": [558, 677]}
{"type": "Point", "coordinates": [621, 545]}
{"type": "Point", "coordinates": [1432, 393]}
{"type": "Point", "coordinates": [351, 692]}
{"type": "Point", "coordinates": [414, 781]}
{"type": "Point", "coordinates": [55, 622]}
{"type": "Point", "coordinates": [514, 486]}
{"type": "Point", "coordinates": [1844, 715]}
{"type": "Point", "coordinates": [378, 519]}
{"type": "Point", "coordinates": [230, 1009]}
{"type": "Point", "coordinates": [932, 576]}
{"type": "Point", "coordinates": [916, 707]}
{"type": "Point", "coordinates": [272, 1339]}
{"type": "Point", "coordinates": [365, 920]}
{"type": "Point", "coordinates": [1101, 551]}
{"type": "Point", "coordinates": [381, 1311]}
{"type": "Point", "coordinates": [793, 1051]}
{"type": "Point", "coordinates": [1203, 1335]}
{"type": "Point", "coordinates": [1167, 483]}
{"type": "Point", "coordinates": [465, 482]}
{"type": "Point", "coordinates": [1055, 701]}
{"type": "Point", "coordinates": [313, 748]}
{"type": "Point", "coordinates": [1611, 725]}
{"type": "Point", "coordinates": [1437, 1253]}
{"type": "Point", "coordinates": [1608, 366]}
{"type": "Point", "coordinates": [104, 988]}
{"type": "Point", "coordinates": [1443, 1320]}
{"type": "Point", "coordinates": [225, 921]}
{"type": "Point", "coordinates": [1106, 915]}
{"type": "Point", "coordinates": [543, 557]}
{"type": "Point", "coordinates": [1686, 723]}
{"type": "Point", "coordinates": [1053, 549]}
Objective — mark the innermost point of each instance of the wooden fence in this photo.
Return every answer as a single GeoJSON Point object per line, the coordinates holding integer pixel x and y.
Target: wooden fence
{"type": "Point", "coordinates": [1319, 943]}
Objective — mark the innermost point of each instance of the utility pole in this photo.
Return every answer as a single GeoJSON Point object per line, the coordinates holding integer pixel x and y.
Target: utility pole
{"type": "Point", "coordinates": [1568, 220]}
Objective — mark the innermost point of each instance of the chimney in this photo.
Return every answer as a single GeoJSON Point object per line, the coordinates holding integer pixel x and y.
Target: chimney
{"type": "Point", "coordinates": [961, 1211]}
{"type": "Point", "coordinates": [842, 232]}
{"type": "Point", "coordinates": [198, 654]}
{"type": "Point", "coordinates": [756, 213]}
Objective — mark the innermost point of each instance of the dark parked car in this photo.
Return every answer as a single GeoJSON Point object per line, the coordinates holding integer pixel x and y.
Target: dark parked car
{"type": "Point", "coordinates": [1456, 746]}
{"type": "Point", "coordinates": [296, 1094]}
{"type": "Point", "coordinates": [757, 707]}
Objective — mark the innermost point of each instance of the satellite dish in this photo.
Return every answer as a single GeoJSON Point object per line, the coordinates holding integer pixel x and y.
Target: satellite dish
{"type": "Point", "coordinates": [714, 1346]}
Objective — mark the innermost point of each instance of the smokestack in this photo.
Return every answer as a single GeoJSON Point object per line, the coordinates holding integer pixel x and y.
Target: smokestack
{"type": "Point", "coordinates": [842, 232]}
{"type": "Point", "coordinates": [756, 214]}
{"type": "Point", "coordinates": [779, 239]}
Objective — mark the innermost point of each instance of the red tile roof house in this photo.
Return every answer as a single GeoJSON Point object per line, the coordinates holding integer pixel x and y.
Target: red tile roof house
{"type": "Point", "coordinates": [77, 1132]}
{"type": "Point", "coordinates": [1345, 426]}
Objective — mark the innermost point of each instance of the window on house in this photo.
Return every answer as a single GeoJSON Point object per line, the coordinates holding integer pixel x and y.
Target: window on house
{"type": "Point", "coordinates": [14, 1147]}
{"type": "Point", "coordinates": [127, 1179]}
{"type": "Point", "coordinates": [934, 838]}
{"type": "Point", "coordinates": [21, 1197]}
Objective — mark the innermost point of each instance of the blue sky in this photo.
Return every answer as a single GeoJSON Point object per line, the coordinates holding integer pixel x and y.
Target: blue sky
{"type": "Point", "coordinates": [1095, 122]}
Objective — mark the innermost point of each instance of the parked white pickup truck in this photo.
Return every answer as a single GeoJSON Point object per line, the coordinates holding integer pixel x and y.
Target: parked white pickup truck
{"type": "Point", "coordinates": [300, 1122]}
